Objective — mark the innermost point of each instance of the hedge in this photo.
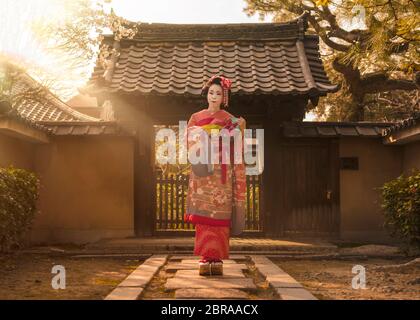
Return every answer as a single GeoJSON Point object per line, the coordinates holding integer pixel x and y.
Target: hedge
{"type": "Point", "coordinates": [401, 205]}
{"type": "Point", "coordinates": [18, 195]}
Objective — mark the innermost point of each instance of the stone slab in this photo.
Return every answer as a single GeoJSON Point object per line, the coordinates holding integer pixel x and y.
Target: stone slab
{"type": "Point", "coordinates": [295, 294]}
{"type": "Point", "coordinates": [210, 293]}
{"type": "Point", "coordinates": [266, 267]}
{"type": "Point", "coordinates": [208, 282]}
{"type": "Point", "coordinates": [270, 270]}
{"type": "Point", "coordinates": [137, 280]}
{"type": "Point", "coordinates": [144, 273]}
{"type": "Point", "coordinates": [283, 282]}
{"type": "Point", "coordinates": [189, 257]}
{"type": "Point", "coordinates": [227, 261]}
{"type": "Point", "coordinates": [273, 274]}
{"type": "Point", "coordinates": [140, 277]}
{"type": "Point", "coordinates": [125, 293]}
{"type": "Point", "coordinates": [260, 259]}
{"type": "Point", "coordinates": [194, 266]}
{"type": "Point", "coordinates": [227, 273]}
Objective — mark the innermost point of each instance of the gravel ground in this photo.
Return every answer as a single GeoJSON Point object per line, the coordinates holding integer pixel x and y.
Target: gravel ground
{"type": "Point", "coordinates": [28, 276]}
{"type": "Point", "coordinates": [332, 279]}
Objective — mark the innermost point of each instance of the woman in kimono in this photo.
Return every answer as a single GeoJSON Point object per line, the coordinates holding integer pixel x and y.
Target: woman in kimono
{"type": "Point", "coordinates": [216, 193]}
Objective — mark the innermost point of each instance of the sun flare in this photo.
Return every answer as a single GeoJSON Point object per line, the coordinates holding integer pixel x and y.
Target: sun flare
{"type": "Point", "coordinates": [19, 43]}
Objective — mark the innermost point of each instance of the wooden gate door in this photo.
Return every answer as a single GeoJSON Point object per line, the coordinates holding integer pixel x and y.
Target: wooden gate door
{"type": "Point", "coordinates": [171, 193]}
{"type": "Point", "coordinates": [308, 187]}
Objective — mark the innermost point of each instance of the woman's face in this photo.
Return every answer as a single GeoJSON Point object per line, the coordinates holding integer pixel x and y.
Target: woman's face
{"type": "Point", "coordinates": [215, 95]}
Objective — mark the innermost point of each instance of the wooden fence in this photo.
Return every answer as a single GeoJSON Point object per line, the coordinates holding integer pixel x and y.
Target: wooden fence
{"type": "Point", "coordinates": [171, 194]}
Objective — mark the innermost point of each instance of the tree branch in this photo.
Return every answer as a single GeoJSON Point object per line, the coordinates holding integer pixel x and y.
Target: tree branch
{"type": "Point", "coordinates": [346, 70]}
{"type": "Point", "coordinates": [380, 82]}
{"type": "Point", "coordinates": [337, 31]}
{"type": "Point", "coordinates": [322, 33]}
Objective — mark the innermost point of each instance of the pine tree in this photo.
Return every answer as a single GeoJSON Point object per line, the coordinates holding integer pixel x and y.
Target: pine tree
{"type": "Point", "coordinates": [370, 47]}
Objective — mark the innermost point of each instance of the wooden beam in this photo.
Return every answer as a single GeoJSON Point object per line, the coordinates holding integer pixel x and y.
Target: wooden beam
{"type": "Point", "coordinates": [403, 136]}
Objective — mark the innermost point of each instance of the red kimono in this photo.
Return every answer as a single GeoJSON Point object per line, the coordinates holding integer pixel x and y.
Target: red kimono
{"type": "Point", "coordinates": [211, 198]}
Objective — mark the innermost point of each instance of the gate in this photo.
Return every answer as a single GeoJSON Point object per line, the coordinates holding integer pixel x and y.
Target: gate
{"type": "Point", "coordinates": [171, 194]}
{"type": "Point", "coordinates": [307, 194]}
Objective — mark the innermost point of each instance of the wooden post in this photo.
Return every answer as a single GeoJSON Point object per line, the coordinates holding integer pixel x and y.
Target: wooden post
{"type": "Point", "coordinates": [271, 135]}
{"type": "Point", "coordinates": [145, 195]}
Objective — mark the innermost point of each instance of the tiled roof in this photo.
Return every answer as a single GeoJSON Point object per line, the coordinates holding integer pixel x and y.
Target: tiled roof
{"type": "Point", "coordinates": [42, 107]}
{"type": "Point", "coordinates": [406, 123]}
{"type": "Point", "coordinates": [16, 116]}
{"type": "Point", "coordinates": [82, 129]}
{"type": "Point", "coordinates": [260, 58]}
{"type": "Point", "coordinates": [332, 129]}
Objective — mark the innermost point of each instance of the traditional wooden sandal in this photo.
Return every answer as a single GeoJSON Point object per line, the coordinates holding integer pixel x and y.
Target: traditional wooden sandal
{"type": "Point", "coordinates": [216, 268]}
{"type": "Point", "coordinates": [204, 268]}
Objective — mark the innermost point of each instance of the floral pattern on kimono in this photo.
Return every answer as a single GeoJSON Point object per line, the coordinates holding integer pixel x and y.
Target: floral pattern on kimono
{"type": "Point", "coordinates": [210, 199]}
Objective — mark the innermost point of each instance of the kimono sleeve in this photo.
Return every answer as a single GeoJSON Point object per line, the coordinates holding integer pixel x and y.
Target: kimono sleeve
{"type": "Point", "coordinates": [239, 191]}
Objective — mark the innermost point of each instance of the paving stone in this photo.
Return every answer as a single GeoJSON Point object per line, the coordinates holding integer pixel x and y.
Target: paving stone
{"type": "Point", "coordinates": [266, 267]}
{"type": "Point", "coordinates": [154, 262]}
{"type": "Point", "coordinates": [270, 270]}
{"type": "Point", "coordinates": [137, 280]}
{"type": "Point", "coordinates": [228, 273]}
{"type": "Point", "coordinates": [260, 259]}
{"type": "Point", "coordinates": [144, 273]}
{"type": "Point", "coordinates": [158, 257]}
{"type": "Point", "coordinates": [170, 267]}
{"type": "Point", "coordinates": [124, 293]}
{"type": "Point", "coordinates": [183, 257]}
{"type": "Point", "coordinates": [295, 294]}
{"type": "Point", "coordinates": [283, 282]}
{"type": "Point", "coordinates": [208, 282]}
{"type": "Point", "coordinates": [189, 257]}
{"type": "Point", "coordinates": [227, 261]}
{"type": "Point", "coordinates": [210, 293]}
{"type": "Point", "coordinates": [275, 276]}
{"type": "Point", "coordinates": [237, 256]}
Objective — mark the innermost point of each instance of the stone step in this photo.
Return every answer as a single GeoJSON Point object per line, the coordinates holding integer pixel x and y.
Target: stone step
{"type": "Point", "coordinates": [285, 285]}
{"type": "Point", "coordinates": [212, 283]}
{"type": "Point", "coordinates": [133, 285]}
{"type": "Point", "coordinates": [190, 257]}
{"type": "Point", "coordinates": [210, 293]}
{"type": "Point", "coordinates": [295, 294]}
{"type": "Point", "coordinates": [227, 261]}
{"type": "Point", "coordinates": [227, 273]}
{"type": "Point", "coordinates": [283, 282]}
{"type": "Point", "coordinates": [171, 267]}
{"type": "Point", "coordinates": [125, 293]}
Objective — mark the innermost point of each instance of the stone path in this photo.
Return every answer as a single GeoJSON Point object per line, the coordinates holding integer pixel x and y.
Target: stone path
{"type": "Point", "coordinates": [186, 283]}
{"type": "Point", "coordinates": [134, 284]}
{"type": "Point", "coordinates": [286, 287]}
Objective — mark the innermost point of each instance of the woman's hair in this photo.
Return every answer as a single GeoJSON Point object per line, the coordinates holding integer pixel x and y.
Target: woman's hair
{"type": "Point", "coordinates": [206, 88]}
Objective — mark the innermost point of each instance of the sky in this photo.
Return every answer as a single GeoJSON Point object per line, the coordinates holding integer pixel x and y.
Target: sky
{"type": "Point", "coordinates": [16, 39]}
{"type": "Point", "coordinates": [184, 11]}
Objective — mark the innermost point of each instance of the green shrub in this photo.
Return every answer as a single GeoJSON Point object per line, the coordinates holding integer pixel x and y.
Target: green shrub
{"type": "Point", "coordinates": [401, 204]}
{"type": "Point", "coordinates": [18, 196]}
